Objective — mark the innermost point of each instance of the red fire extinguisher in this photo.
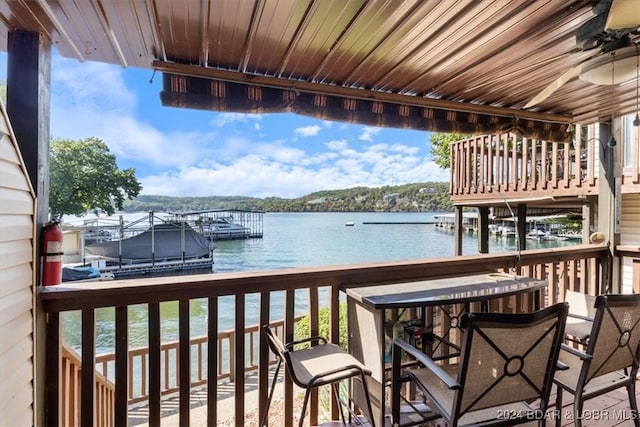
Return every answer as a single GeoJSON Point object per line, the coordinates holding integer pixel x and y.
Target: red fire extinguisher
{"type": "Point", "coordinates": [51, 254]}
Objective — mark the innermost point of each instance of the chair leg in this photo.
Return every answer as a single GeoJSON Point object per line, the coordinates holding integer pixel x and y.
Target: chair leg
{"type": "Point", "coordinates": [578, 404]}
{"type": "Point", "coordinates": [558, 413]}
{"type": "Point", "coordinates": [307, 392]}
{"type": "Point", "coordinates": [336, 392]}
{"type": "Point", "coordinates": [367, 398]}
{"type": "Point", "coordinates": [633, 403]}
{"type": "Point", "coordinates": [265, 417]}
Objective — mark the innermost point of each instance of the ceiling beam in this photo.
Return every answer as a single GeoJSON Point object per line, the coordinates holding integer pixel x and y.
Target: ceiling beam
{"type": "Point", "coordinates": [325, 89]}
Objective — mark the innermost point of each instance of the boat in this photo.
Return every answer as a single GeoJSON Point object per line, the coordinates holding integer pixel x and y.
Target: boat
{"type": "Point", "coordinates": [223, 228]}
{"type": "Point", "coordinates": [160, 242]}
{"type": "Point", "coordinates": [349, 224]}
{"type": "Point", "coordinates": [535, 234]}
{"type": "Point", "coordinates": [571, 235]}
{"type": "Point", "coordinates": [508, 231]}
{"type": "Point", "coordinates": [84, 274]}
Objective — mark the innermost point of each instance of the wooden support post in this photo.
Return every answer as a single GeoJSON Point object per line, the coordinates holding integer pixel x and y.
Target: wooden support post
{"type": "Point", "coordinates": [483, 230]}
{"type": "Point", "coordinates": [457, 230]}
{"type": "Point", "coordinates": [609, 205]}
{"type": "Point", "coordinates": [587, 221]}
{"type": "Point", "coordinates": [28, 108]}
{"type": "Point", "coordinates": [522, 226]}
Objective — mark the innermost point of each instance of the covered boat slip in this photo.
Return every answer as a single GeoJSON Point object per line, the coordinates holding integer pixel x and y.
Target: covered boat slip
{"type": "Point", "coordinates": [148, 244]}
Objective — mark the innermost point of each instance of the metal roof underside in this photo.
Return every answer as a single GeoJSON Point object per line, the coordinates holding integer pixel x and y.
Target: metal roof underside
{"type": "Point", "coordinates": [465, 55]}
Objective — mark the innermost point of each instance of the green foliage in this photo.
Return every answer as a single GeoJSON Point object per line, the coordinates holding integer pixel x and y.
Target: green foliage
{"type": "Point", "coordinates": [440, 143]}
{"type": "Point", "coordinates": [302, 326]}
{"type": "Point", "coordinates": [84, 177]}
{"type": "Point", "coordinates": [417, 197]}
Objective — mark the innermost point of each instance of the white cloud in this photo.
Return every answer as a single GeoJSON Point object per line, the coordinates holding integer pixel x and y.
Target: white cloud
{"type": "Point", "coordinates": [230, 154]}
{"type": "Point", "coordinates": [307, 131]}
{"type": "Point", "coordinates": [368, 133]}
{"type": "Point", "coordinates": [93, 85]}
{"type": "Point", "coordinates": [224, 119]}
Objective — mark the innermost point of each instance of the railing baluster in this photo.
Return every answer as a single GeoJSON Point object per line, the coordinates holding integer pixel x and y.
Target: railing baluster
{"type": "Point", "coordinates": [54, 348]}
{"type": "Point", "coordinates": [577, 158]}
{"type": "Point", "coordinates": [212, 361]}
{"type": "Point", "coordinates": [314, 330]}
{"type": "Point", "coordinates": [289, 315]}
{"type": "Point", "coordinates": [452, 183]}
{"type": "Point", "coordinates": [490, 163]}
{"type": "Point", "coordinates": [122, 371]}
{"type": "Point", "coordinates": [554, 165]}
{"type": "Point", "coordinates": [334, 336]}
{"type": "Point", "coordinates": [544, 165]}
{"type": "Point", "coordinates": [514, 162]}
{"type": "Point", "coordinates": [263, 374]}
{"type": "Point", "coordinates": [240, 360]}
{"type": "Point", "coordinates": [566, 163]}
{"type": "Point", "coordinates": [467, 166]}
{"type": "Point", "coordinates": [525, 166]}
{"type": "Point", "coordinates": [184, 362]}
{"type": "Point", "coordinates": [154, 364]}
{"type": "Point", "coordinates": [505, 162]}
{"type": "Point", "coordinates": [483, 163]}
{"type": "Point", "coordinates": [88, 381]}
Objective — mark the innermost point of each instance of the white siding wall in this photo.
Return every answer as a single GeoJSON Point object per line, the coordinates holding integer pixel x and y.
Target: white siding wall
{"type": "Point", "coordinates": [17, 209]}
{"type": "Point", "coordinates": [630, 235]}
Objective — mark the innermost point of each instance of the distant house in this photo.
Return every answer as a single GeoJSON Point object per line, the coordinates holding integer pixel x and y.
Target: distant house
{"type": "Point", "coordinates": [390, 198]}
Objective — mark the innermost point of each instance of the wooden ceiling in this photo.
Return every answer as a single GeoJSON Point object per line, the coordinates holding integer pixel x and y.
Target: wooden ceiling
{"type": "Point", "coordinates": [470, 52]}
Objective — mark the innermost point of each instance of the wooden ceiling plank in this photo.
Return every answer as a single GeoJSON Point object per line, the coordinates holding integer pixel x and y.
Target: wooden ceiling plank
{"type": "Point", "coordinates": [60, 29]}
{"type": "Point", "coordinates": [467, 68]}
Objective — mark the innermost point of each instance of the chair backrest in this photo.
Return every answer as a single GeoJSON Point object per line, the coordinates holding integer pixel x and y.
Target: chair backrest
{"type": "Point", "coordinates": [275, 344]}
{"type": "Point", "coordinates": [580, 305]}
{"type": "Point", "coordinates": [508, 358]}
{"type": "Point", "coordinates": [615, 337]}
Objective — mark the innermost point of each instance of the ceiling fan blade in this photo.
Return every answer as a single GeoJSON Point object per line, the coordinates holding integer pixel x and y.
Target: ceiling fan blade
{"type": "Point", "coordinates": [555, 85]}
{"type": "Point", "coordinates": [623, 14]}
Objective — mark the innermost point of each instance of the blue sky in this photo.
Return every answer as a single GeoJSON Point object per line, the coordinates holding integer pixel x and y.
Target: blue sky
{"type": "Point", "coordinates": [180, 152]}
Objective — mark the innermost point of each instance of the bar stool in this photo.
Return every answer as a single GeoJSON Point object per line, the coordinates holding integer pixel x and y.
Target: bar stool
{"type": "Point", "coordinates": [312, 367]}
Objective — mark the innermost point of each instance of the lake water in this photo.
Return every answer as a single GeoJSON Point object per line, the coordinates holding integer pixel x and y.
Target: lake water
{"type": "Point", "coordinates": [298, 240]}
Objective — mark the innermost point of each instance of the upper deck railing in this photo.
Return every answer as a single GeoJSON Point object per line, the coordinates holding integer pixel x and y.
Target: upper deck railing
{"type": "Point", "coordinates": [509, 165]}
{"type": "Point", "coordinates": [574, 267]}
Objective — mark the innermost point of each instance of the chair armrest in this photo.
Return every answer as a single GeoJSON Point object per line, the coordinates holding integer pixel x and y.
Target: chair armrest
{"type": "Point", "coordinates": [428, 363]}
{"type": "Point", "coordinates": [577, 353]}
{"type": "Point", "coordinates": [353, 369]}
{"type": "Point", "coordinates": [579, 316]}
{"type": "Point", "coordinates": [561, 366]}
{"type": "Point", "coordinates": [316, 338]}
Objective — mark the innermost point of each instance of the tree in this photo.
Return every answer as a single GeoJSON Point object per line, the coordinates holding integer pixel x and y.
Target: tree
{"type": "Point", "coordinates": [440, 143]}
{"type": "Point", "coordinates": [84, 177]}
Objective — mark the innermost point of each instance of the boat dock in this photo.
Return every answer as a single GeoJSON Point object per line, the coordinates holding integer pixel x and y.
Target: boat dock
{"type": "Point", "coordinates": [399, 222]}
{"type": "Point", "coordinates": [223, 224]}
{"type": "Point", "coordinates": [158, 267]}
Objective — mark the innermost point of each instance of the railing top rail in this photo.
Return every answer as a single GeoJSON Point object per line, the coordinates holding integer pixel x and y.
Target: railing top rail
{"type": "Point", "coordinates": [69, 296]}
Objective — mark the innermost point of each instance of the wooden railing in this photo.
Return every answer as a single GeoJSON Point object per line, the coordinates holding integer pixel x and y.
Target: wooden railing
{"type": "Point", "coordinates": [70, 406]}
{"type": "Point", "coordinates": [513, 165]}
{"type": "Point", "coordinates": [139, 357]}
{"type": "Point", "coordinates": [576, 267]}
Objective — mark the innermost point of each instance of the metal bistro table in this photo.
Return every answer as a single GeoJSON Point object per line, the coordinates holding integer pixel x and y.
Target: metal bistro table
{"type": "Point", "coordinates": [368, 317]}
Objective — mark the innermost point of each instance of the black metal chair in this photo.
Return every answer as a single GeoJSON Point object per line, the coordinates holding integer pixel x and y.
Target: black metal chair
{"type": "Point", "coordinates": [507, 362]}
{"type": "Point", "coordinates": [312, 367]}
{"type": "Point", "coordinates": [610, 360]}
